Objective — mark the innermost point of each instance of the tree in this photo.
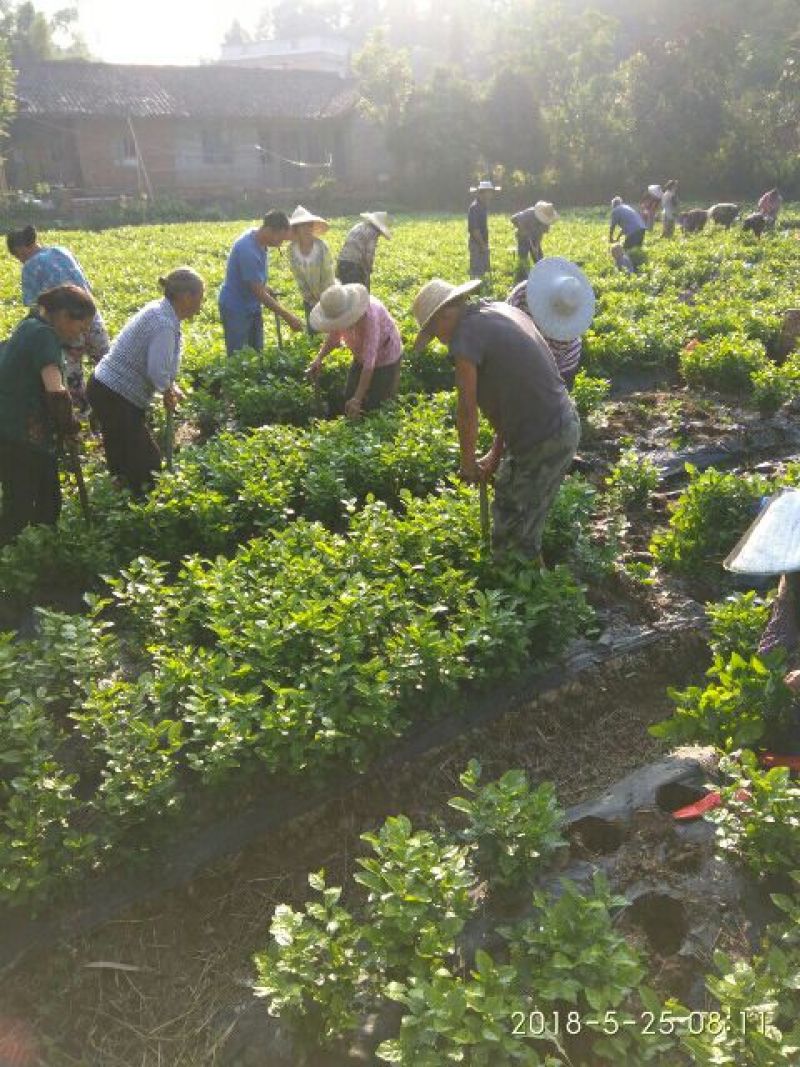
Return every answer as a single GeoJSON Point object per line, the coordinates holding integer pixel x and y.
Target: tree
{"type": "Point", "coordinates": [384, 79]}
{"type": "Point", "coordinates": [299, 18]}
{"type": "Point", "coordinates": [236, 34]}
{"type": "Point", "coordinates": [7, 97]}
{"type": "Point", "coordinates": [33, 36]}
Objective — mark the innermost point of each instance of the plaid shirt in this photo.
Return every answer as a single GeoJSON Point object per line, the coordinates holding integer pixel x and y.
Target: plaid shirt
{"type": "Point", "coordinates": [146, 355]}
{"type": "Point", "coordinates": [359, 246]}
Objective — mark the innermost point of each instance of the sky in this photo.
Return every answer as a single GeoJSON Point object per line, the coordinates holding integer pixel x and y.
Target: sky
{"type": "Point", "coordinates": [157, 31]}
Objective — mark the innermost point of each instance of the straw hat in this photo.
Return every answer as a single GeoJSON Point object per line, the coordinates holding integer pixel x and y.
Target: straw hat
{"type": "Point", "coordinates": [380, 220]}
{"type": "Point", "coordinates": [434, 297]}
{"type": "Point", "coordinates": [545, 212]}
{"type": "Point", "coordinates": [300, 216]}
{"type": "Point", "coordinates": [772, 544]}
{"type": "Point", "coordinates": [560, 299]}
{"type": "Point", "coordinates": [339, 307]}
{"type": "Point", "coordinates": [485, 187]}
{"type": "Point", "coordinates": [655, 190]}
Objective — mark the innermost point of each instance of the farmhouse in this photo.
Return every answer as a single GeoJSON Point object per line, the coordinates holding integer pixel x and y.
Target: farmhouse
{"type": "Point", "coordinates": [194, 131]}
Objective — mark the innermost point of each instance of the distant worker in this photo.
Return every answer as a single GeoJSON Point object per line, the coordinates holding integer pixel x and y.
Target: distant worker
{"type": "Point", "coordinates": [35, 407]}
{"type": "Point", "coordinates": [310, 258]}
{"type": "Point", "coordinates": [669, 207]}
{"type": "Point", "coordinates": [531, 226]}
{"type": "Point", "coordinates": [145, 359]}
{"type": "Point", "coordinates": [629, 222]}
{"type": "Point", "coordinates": [693, 221]}
{"type": "Point", "coordinates": [357, 256]}
{"type": "Point", "coordinates": [559, 298]}
{"type": "Point", "coordinates": [45, 267]}
{"type": "Point", "coordinates": [245, 292]}
{"type": "Point", "coordinates": [505, 370]}
{"type": "Point", "coordinates": [770, 206]}
{"type": "Point", "coordinates": [350, 316]}
{"type": "Point", "coordinates": [651, 205]}
{"type": "Point", "coordinates": [724, 214]}
{"type": "Point", "coordinates": [755, 223]}
{"type": "Point", "coordinates": [622, 259]}
{"type": "Point", "coordinates": [478, 229]}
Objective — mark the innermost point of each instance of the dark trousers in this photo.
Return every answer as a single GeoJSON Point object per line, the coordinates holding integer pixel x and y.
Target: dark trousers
{"type": "Point", "coordinates": [31, 492]}
{"type": "Point", "coordinates": [634, 240]}
{"type": "Point", "coordinates": [131, 452]}
{"type": "Point", "coordinates": [383, 386]}
{"type": "Point", "coordinates": [351, 273]}
{"type": "Point", "coordinates": [529, 252]}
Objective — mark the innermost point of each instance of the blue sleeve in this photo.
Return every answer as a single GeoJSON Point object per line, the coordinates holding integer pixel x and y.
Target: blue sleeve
{"type": "Point", "coordinates": [30, 286]}
{"type": "Point", "coordinates": [251, 263]}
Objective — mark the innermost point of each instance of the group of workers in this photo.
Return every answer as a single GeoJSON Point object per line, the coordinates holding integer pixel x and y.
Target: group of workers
{"type": "Point", "coordinates": [514, 360]}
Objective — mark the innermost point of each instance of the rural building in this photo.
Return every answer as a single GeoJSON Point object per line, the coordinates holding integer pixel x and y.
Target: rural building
{"type": "Point", "coordinates": [313, 52]}
{"type": "Point", "coordinates": [102, 129]}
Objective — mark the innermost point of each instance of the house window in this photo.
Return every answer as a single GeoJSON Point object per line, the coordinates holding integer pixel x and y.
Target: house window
{"type": "Point", "coordinates": [126, 150]}
{"type": "Point", "coordinates": [216, 146]}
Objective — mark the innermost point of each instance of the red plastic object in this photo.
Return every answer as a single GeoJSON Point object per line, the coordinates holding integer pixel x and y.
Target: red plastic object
{"type": "Point", "coordinates": [705, 804]}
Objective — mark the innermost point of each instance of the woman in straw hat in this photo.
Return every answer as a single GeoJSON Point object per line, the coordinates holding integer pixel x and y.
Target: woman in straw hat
{"type": "Point", "coordinates": [531, 226]}
{"type": "Point", "coordinates": [310, 258]}
{"type": "Point", "coordinates": [505, 370]}
{"type": "Point", "coordinates": [350, 316]}
{"type": "Point", "coordinates": [559, 298]}
{"type": "Point", "coordinates": [357, 256]}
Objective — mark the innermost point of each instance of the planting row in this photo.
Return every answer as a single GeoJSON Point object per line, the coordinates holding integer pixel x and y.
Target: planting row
{"type": "Point", "coordinates": [307, 650]}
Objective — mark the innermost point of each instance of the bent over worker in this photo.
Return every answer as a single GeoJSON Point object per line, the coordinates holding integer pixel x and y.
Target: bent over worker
{"type": "Point", "coordinates": [505, 370]}
{"type": "Point", "coordinates": [245, 291]}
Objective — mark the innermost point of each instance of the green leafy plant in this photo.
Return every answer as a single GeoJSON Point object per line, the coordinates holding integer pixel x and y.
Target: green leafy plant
{"type": "Point", "coordinates": [737, 624]}
{"type": "Point", "coordinates": [724, 362]}
{"type": "Point", "coordinates": [632, 480]}
{"type": "Point", "coordinates": [516, 829]}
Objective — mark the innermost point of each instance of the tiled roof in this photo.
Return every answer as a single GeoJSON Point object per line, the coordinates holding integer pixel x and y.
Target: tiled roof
{"type": "Point", "coordinates": [67, 87]}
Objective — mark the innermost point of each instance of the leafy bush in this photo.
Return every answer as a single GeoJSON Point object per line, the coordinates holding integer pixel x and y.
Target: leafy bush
{"type": "Point", "coordinates": [725, 363]}
{"type": "Point", "coordinates": [516, 829]}
{"type": "Point", "coordinates": [773, 386]}
{"type": "Point", "coordinates": [737, 624]}
{"type": "Point", "coordinates": [745, 703]}
{"type": "Point", "coordinates": [631, 481]}
{"type": "Point", "coordinates": [589, 393]}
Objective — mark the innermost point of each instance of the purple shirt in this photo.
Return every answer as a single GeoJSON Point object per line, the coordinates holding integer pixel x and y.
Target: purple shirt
{"type": "Point", "coordinates": [628, 219]}
{"type": "Point", "coordinates": [375, 339]}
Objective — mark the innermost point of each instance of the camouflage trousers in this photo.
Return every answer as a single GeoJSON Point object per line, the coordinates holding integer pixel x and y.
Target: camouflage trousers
{"type": "Point", "coordinates": [526, 485]}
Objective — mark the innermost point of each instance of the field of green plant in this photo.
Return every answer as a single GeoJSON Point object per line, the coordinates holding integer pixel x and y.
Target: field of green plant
{"type": "Point", "coordinates": [300, 592]}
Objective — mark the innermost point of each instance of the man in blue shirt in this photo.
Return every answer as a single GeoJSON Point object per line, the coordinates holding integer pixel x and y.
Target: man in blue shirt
{"type": "Point", "coordinates": [244, 291]}
{"type": "Point", "coordinates": [629, 222]}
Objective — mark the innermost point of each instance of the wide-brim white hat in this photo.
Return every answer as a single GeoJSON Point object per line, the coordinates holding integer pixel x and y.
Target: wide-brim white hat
{"type": "Point", "coordinates": [433, 297]}
{"type": "Point", "coordinates": [560, 299]}
{"type": "Point", "coordinates": [545, 212]}
{"type": "Point", "coordinates": [485, 187]}
{"type": "Point", "coordinates": [772, 543]}
{"type": "Point", "coordinates": [655, 190]}
{"type": "Point", "coordinates": [300, 216]}
{"type": "Point", "coordinates": [339, 307]}
{"type": "Point", "coordinates": [380, 220]}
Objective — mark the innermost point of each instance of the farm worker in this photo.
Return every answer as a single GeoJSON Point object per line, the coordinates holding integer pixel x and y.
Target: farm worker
{"type": "Point", "coordinates": [310, 258]}
{"type": "Point", "coordinates": [35, 407]}
{"type": "Point", "coordinates": [693, 221]}
{"type": "Point", "coordinates": [478, 229]}
{"type": "Point", "coordinates": [350, 316]}
{"type": "Point", "coordinates": [560, 300]}
{"type": "Point", "coordinates": [755, 223]}
{"type": "Point", "coordinates": [770, 205]}
{"type": "Point", "coordinates": [629, 222]}
{"type": "Point", "coordinates": [771, 547]}
{"type": "Point", "coordinates": [787, 340]}
{"type": "Point", "coordinates": [244, 291]}
{"type": "Point", "coordinates": [531, 226]}
{"type": "Point", "coordinates": [669, 207]}
{"type": "Point", "coordinates": [651, 205]}
{"type": "Point", "coordinates": [622, 259]}
{"type": "Point", "coordinates": [44, 267]}
{"type": "Point", "coordinates": [357, 255]}
{"type": "Point", "coordinates": [144, 359]}
{"type": "Point", "coordinates": [723, 214]}
{"type": "Point", "coordinates": [504, 369]}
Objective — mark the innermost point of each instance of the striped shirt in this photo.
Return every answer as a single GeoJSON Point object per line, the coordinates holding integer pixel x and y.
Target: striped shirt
{"type": "Point", "coordinates": [359, 246]}
{"type": "Point", "coordinates": [567, 354]}
{"type": "Point", "coordinates": [146, 355]}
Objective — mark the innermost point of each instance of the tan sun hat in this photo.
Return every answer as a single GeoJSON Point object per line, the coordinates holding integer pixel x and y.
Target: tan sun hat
{"type": "Point", "coordinates": [771, 545]}
{"type": "Point", "coordinates": [545, 212]}
{"type": "Point", "coordinates": [339, 307]}
{"type": "Point", "coordinates": [485, 187]}
{"type": "Point", "coordinates": [655, 191]}
{"type": "Point", "coordinates": [560, 299]}
{"type": "Point", "coordinates": [380, 220]}
{"type": "Point", "coordinates": [432, 298]}
{"type": "Point", "coordinates": [300, 216]}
